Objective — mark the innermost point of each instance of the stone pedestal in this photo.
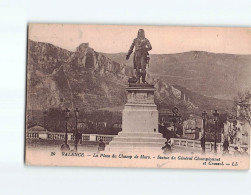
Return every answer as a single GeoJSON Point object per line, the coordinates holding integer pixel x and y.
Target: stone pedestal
{"type": "Point", "coordinates": [139, 122]}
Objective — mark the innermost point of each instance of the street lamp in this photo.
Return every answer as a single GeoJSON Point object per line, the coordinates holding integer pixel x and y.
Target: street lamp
{"type": "Point", "coordinates": [216, 120]}
{"type": "Point", "coordinates": [65, 146]}
{"type": "Point", "coordinates": [175, 117]}
{"type": "Point", "coordinates": [45, 122]}
{"type": "Point", "coordinates": [76, 111]}
{"type": "Point", "coordinates": [204, 117]}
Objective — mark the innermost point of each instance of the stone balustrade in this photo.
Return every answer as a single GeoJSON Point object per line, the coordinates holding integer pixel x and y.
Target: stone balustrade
{"type": "Point", "coordinates": [61, 136]}
{"type": "Point", "coordinates": [32, 135]}
{"type": "Point", "coordinates": [196, 144]}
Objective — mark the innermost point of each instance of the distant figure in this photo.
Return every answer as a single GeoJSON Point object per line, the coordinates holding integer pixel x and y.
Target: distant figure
{"type": "Point", "coordinates": [141, 58]}
{"type": "Point", "coordinates": [211, 146]}
{"type": "Point", "coordinates": [225, 145]}
{"type": "Point", "coordinates": [233, 135]}
{"type": "Point", "coordinates": [238, 136]}
{"type": "Point", "coordinates": [202, 143]}
{"type": "Point", "coordinates": [237, 153]}
{"type": "Point", "coordinates": [226, 148]}
{"type": "Point", "coordinates": [101, 145]}
{"type": "Point", "coordinates": [167, 148]}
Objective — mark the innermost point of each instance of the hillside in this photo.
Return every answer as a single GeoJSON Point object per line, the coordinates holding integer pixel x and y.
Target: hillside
{"type": "Point", "coordinates": [57, 78]}
{"type": "Point", "coordinates": [85, 78]}
{"type": "Point", "coordinates": [209, 74]}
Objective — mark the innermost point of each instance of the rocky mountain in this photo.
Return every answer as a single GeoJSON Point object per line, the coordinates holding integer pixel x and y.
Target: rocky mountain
{"type": "Point", "coordinates": [60, 78]}
{"type": "Point", "coordinates": [209, 74]}
{"type": "Point", "coordinates": [57, 78]}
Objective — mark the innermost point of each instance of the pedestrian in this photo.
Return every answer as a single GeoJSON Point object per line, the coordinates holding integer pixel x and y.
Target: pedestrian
{"type": "Point", "coordinates": [101, 145]}
{"type": "Point", "coordinates": [211, 146]}
{"type": "Point", "coordinates": [238, 136]}
{"type": "Point", "coordinates": [225, 145]}
{"type": "Point", "coordinates": [237, 153]}
{"type": "Point", "coordinates": [167, 148]}
{"type": "Point", "coordinates": [203, 143]}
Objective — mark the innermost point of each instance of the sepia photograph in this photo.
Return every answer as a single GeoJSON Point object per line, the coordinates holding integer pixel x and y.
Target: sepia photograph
{"type": "Point", "coordinates": [125, 97]}
{"type": "Point", "coordinates": [138, 96]}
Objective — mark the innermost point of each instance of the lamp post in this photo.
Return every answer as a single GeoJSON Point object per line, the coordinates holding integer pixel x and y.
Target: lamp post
{"type": "Point", "coordinates": [76, 111]}
{"type": "Point", "coordinates": [45, 122]}
{"type": "Point", "coordinates": [204, 117]}
{"type": "Point", "coordinates": [65, 146]}
{"type": "Point", "coordinates": [175, 116]}
{"type": "Point", "coordinates": [216, 119]}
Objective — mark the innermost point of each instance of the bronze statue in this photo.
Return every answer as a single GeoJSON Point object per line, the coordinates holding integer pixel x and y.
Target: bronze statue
{"type": "Point", "coordinates": [141, 55]}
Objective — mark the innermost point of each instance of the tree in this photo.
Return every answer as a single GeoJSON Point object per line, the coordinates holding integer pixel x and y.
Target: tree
{"type": "Point", "coordinates": [242, 106]}
{"type": "Point", "coordinates": [56, 120]}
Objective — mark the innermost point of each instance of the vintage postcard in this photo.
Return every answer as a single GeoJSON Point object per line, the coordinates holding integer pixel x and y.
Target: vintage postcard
{"type": "Point", "coordinates": [138, 96]}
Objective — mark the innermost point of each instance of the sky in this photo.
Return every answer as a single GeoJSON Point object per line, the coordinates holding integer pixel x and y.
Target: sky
{"type": "Point", "coordinates": [164, 39]}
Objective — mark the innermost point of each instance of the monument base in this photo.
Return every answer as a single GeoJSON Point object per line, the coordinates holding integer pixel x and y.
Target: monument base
{"type": "Point", "coordinates": [139, 123]}
{"type": "Point", "coordinates": [137, 142]}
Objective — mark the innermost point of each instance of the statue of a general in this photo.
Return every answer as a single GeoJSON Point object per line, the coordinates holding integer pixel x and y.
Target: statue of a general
{"type": "Point", "coordinates": [141, 55]}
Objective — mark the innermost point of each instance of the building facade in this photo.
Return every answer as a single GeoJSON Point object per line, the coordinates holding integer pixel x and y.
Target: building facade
{"type": "Point", "coordinates": [237, 129]}
{"type": "Point", "coordinates": [192, 127]}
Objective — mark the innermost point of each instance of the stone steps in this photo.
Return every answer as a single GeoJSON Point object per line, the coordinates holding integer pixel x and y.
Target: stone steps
{"type": "Point", "coordinates": [139, 134]}
{"type": "Point", "coordinates": [136, 144]}
{"type": "Point", "coordinates": [133, 149]}
{"type": "Point", "coordinates": [139, 139]}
